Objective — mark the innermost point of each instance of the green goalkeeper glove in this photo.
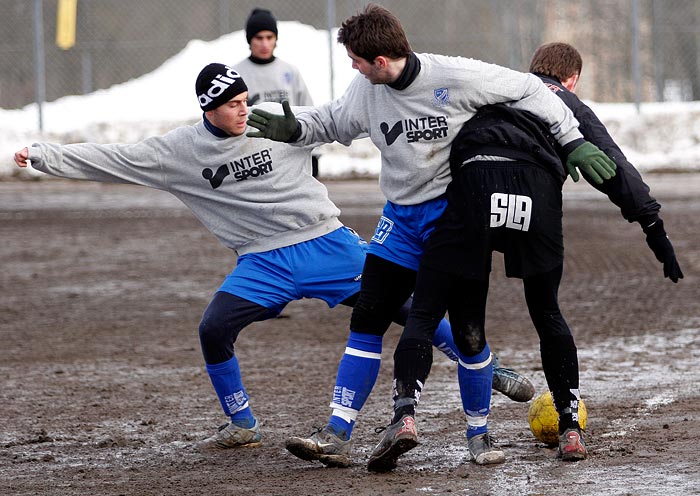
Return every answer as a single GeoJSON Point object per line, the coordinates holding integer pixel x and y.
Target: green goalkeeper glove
{"type": "Point", "coordinates": [275, 127]}
{"type": "Point", "coordinates": [592, 161]}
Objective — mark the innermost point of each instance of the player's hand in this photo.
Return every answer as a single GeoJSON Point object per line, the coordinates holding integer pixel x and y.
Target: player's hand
{"type": "Point", "coordinates": [663, 250]}
{"type": "Point", "coordinates": [272, 126]}
{"type": "Point", "coordinates": [592, 161]}
{"type": "Point", "coordinates": [21, 157]}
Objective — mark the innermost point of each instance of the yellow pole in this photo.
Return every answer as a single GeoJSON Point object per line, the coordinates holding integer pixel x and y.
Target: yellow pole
{"type": "Point", "coordinates": [65, 23]}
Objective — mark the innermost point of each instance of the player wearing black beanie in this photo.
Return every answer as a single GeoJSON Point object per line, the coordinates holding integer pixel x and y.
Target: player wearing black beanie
{"type": "Point", "coordinates": [260, 20]}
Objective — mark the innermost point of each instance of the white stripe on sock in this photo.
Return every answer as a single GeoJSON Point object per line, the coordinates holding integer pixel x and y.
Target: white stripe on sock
{"type": "Point", "coordinates": [240, 408]}
{"type": "Point", "coordinates": [363, 354]}
{"type": "Point", "coordinates": [479, 421]}
{"type": "Point", "coordinates": [343, 412]}
{"type": "Point", "coordinates": [476, 366]}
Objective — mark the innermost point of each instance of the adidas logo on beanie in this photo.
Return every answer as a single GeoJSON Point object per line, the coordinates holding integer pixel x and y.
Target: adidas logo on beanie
{"type": "Point", "coordinates": [217, 84]}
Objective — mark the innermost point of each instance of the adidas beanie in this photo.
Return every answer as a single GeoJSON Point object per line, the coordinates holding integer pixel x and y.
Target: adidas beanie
{"type": "Point", "coordinates": [217, 84]}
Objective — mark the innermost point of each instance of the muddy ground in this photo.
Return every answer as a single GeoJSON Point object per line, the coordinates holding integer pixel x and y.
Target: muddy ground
{"type": "Point", "coordinates": [103, 389]}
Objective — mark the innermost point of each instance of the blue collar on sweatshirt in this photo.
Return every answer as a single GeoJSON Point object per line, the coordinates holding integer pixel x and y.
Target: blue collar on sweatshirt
{"type": "Point", "coordinates": [219, 133]}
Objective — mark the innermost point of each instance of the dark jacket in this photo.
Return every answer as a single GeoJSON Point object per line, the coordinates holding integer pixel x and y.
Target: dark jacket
{"type": "Point", "coordinates": [503, 131]}
{"type": "Point", "coordinates": [627, 190]}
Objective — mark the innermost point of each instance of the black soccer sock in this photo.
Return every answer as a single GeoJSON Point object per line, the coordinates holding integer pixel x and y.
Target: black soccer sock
{"type": "Point", "coordinates": [560, 365]}
{"type": "Point", "coordinates": [412, 361]}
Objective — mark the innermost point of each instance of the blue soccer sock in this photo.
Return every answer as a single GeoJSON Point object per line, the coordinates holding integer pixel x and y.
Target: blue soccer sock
{"type": "Point", "coordinates": [226, 379]}
{"type": "Point", "coordinates": [444, 341]}
{"type": "Point", "coordinates": [475, 376]}
{"type": "Point", "coordinates": [357, 374]}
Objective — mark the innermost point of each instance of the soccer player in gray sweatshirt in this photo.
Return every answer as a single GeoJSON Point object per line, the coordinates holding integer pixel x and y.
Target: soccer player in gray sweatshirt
{"type": "Point", "coordinates": [412, 106]}
{"type": "Point", "coordinates": [270, 78]}
{"type": "Point", "coordinates": [259, 199]}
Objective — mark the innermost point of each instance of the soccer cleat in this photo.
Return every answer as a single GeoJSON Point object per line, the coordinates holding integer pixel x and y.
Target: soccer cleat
{"type": "Point", "coordinates": [514, 385]}
{"type": "Point", "coordinates": [232, 436]}
{"type": "Point", "coordinates": [323, 446]}
{"type": "Point", "coordinates": [398, 439]}
{"type": "Point", "coordinates": [571, 446]}
{"type": "Point", "coordinates": [482, 453]}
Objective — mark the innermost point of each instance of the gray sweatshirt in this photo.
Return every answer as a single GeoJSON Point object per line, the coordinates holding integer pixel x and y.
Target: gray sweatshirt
{"type": "Point", "coordinates": [414, 127]}
{"type": "Point", "coordinates": [273, 82]}
{"type": "Point", "coordinates": [254, 195]}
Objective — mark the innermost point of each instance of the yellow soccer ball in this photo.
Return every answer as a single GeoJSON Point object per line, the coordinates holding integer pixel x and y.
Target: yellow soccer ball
{"type": "Point", "coordinates": [544, 419]}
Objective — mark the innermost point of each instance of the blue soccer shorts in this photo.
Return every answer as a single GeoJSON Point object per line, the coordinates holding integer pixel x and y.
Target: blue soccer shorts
{"type": "Point", "coordinates": [328, 268]}
{"type": "Point", "coordinates": [403, 230]}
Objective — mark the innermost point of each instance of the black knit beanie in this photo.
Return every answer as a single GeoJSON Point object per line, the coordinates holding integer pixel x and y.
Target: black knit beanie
{"type": "Point", "coordinates": [216, 85]}
{"type": "Point", "coordinates": [260, 20]}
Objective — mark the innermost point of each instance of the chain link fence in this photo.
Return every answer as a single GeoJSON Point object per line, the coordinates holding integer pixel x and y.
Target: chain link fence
{"type": "Point", "coordinates": [633, 50]}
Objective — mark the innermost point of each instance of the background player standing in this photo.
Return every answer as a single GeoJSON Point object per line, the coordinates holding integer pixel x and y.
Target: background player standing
{"type": "Point", "coordinates": [269, 78]}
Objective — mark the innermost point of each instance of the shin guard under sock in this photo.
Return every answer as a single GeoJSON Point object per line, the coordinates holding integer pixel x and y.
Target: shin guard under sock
{"type": "Point", "coordinates": [357, 374]}
{"type": "Point", "coordinates": [226, 379]}
{"type": "Point", "coordinates": [475, 376]}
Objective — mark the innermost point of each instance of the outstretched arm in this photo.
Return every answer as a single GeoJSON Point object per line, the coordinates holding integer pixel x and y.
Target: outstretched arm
{"type": "Point", "coordinates": [284, 128]}
{"type": "Point", "coordinates": [663, 249]}
{"type": "Point", "coordinates": [111, 163]}
{"type": "Point", "coordinates": [343, 120]}
{"type": "Point", "coordinates": [627, 190]}
{"type": "Point", "coordinates": [22, 156]}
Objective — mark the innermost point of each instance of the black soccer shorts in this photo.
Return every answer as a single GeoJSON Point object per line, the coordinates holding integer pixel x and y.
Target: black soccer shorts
{"type": "Point", "coordinates": [511, 207]}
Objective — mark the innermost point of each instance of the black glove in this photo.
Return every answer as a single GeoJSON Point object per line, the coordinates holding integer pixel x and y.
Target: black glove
{"type": "Point", "coordinates": [663, 249]}
{"type": "Point", "coordinates": [275, 127]}
{"type": "Point", "coordinates": [592, 161]}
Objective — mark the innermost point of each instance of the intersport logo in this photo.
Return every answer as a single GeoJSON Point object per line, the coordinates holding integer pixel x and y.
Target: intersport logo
{"type": "Point", "coordinates": [218, 85]}
{"type": "Point", "coordinates": [416, 129]}
{"type": "Point", "coordinates": [250, 166]}
{"type": "Point", "coordinates": [268, 96]}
